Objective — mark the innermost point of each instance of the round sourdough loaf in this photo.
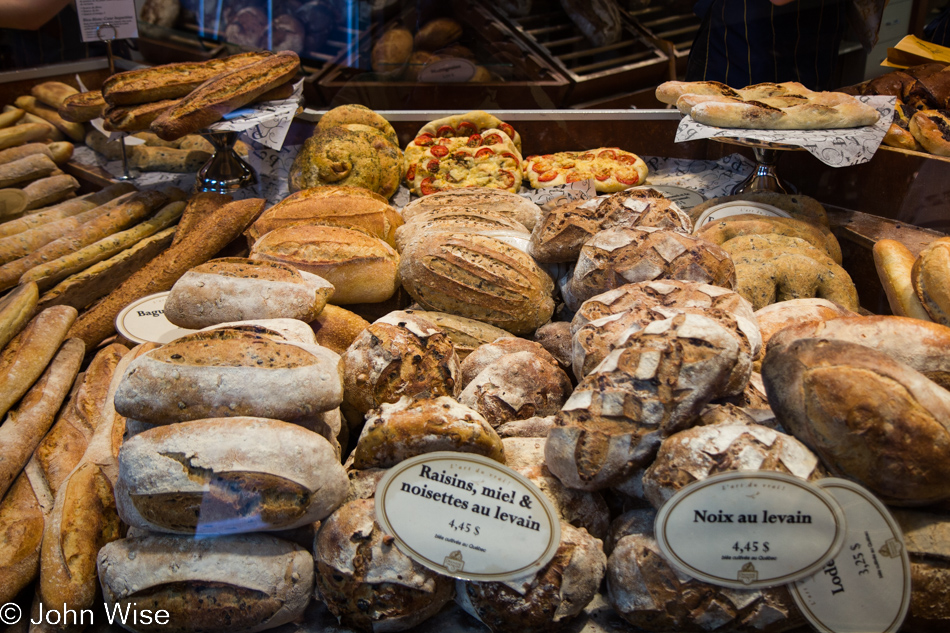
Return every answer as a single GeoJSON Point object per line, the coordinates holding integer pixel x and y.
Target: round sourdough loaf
{"type": "Point", "coordinates": [926, 536]}
{"type": "Point", "coordinates": [361, 268]}
{"type": "Point", "coordinates": [346, 207]}
{"type": "Point", "coordinates": [646, 591]}
{"type": "Point", "coordinates": [491, 353]}
{"type": "Point", "coordinates": [251, 581]}
{"type": "Point", "coordinates": [365, 581]}
{"type": "Point", "coordinates": [505, 203]}
{"type": "Point", "coordinates": [414, 426]}
{"type": "Point", "coordinates": [466, 335]}
{"type": "Point", "coordinates": [580, 508]}
{"type": "Point", "coordinates": [703, 451]}
{"type": "Point", "coordinates": [560, 234]}
{"type": "Point", "coordinates": [619, 256]}
{"type": "Point", "coordinates": [228, 475]}
{"type": "Point", "coordinates": [869, 417]}
{"type": "Point", "coordinates": [552, 596]}
{"type": "Point", "coordinates": [239, 289]}
{"type": "Point", "coordinates": [478, 277]}
{"type": "Point", "coordinates": [226, 373]}
{"type": "Point", "coordinates": [458, 220]}
{"type": "Point", "coordinates": [655, 385]}
{"type": "Point", "coordinates": [401, 354]}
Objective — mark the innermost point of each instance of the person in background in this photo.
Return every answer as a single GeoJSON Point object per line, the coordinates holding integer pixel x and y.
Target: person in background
{"type": "Point", "coordinates": [39, 32]}
{"type": "Point", "coordinates": [745, 42]}
{"type": "Point", "coordinates": [938, 29]}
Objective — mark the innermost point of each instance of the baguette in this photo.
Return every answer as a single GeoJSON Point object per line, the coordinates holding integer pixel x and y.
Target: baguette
{"type": "Point", "coordinates": [26, 425]}
{"type": "Point", "coordinates": [75, 131]}
{"type": "Point", "coordinates": [26, 356]}
{"type": "Point", "coordinates": [83, 289]}
{"type": "Point", "coordinates": [64, 210]}
{"type": "Point", "coordinates": [135, 118]}
{"type": "Point", "coordinates": [83, 107]}
{"type": "Point", "coordinates": [44, 192]}
{"type": "Point", "coordinates": [168, 159]}
{"type": "Point", "coordinates": [213, 99]}
{"type": "Point", "coordinates": [199, 206]}
{"type": "Point", "coordinates": [23, 513]}
{"type": "Point", "coordinates": [10, 117]}
{"type": "Point", "coordinates": [101, 144]}
{"type": "Point", "coordinates": [61, 151]}
{"type": "Point", "coordinates": [52, 134]}
{"type": "Point", "coordinates": [23, 133]}
{"type": "Point", "coordinates": [16, 310]}
{"type": "Point", "coordinates": [894, 263]}
{"type": "Point", "coordinates": [30, 149]}
{"type": "Point", "coordinates": [27, 169]}
{"type": "Point", "coordinates": [170, 81]}
{"type": "Point", "coordinates": [53, 93]}
{"type": "Point", "coordinates": [212, 234]}
{"type": "Point", "coordinates": [48, 274]}
{"type": "Point", "coordinates": [133, 210]}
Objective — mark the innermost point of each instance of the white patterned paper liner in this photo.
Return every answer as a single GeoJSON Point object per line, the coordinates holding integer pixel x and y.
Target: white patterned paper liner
{"type": "Point", "coordinates": [836, 148]}
{"type": "Point", "coordinates": [266, 123]}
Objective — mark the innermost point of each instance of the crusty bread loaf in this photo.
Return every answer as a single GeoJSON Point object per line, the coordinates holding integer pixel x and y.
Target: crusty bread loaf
{"type": "Point", "coordinates": [28, 103]}
{"type": "Point", "coordinates": [413, 426]}
{"type": "Point", "coordinates": [505, 203]}
{"type": "Point", "coordinates": [930, 276]}
{"type": "Point", "coordinates": [66, 209]}
{"type": "Point", "coordinates": [46, 191]}
{"type": "Point", "coordinates": [53, 93]}
{"type": "Point", "coordinates": [83, 107]}
{"type": "Point", "coordinates": [199, 205]}
{"type": "Point", "coordinates": [23, 513]}
{"type": "Point", "coordinates": [253, 582]}
{"type": "Point", "coordinates": [776, 317]}
{"type": "Point", "coordinates": [292, 330]}
{"type": "Point", "coordinates": [336, 328]}
{"type": "Point", "coordinates": [228, 475]}
{"type": "Point", "coordinates": [239, 289]}
{"type": "Point", "coordinates": [135, 118]}
{"type": "Point", "coordinates": [466, 334]}
{"type": "Point", "coordinates": [459, 220]}
{"type": "Point", "coordinates": [26, 169]}
{"type": "Point", "coordinates": [895, 264]}
{"type": "Point", "coordinates": [580, 508]}
{"type": "Point", "coordinates": [16, 310]}
{"type": "Point", "coordinates": [491, 353]}
{"type": "Point", "coordinates": [361, 268]}
{"type": "Point", "coordinates": [228, 372]}
{"type": "Point", "coordinates": [23, 133]}
{"type": "Point", "coordinates": [555, 337]}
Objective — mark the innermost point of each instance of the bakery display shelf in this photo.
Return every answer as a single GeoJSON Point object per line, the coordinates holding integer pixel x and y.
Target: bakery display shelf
{"type": "Point", "coordinates": [673, 25]}
{"type": "Point", "coordinates": [593, 71]}
{"type": "Point", "coordinates": [521, 77]}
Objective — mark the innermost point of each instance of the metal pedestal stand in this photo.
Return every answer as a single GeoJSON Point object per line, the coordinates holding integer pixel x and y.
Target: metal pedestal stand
{"type": "Point", "coordinates": [225, 171]}
{"type": "Point", "coordinates": [765, 176]}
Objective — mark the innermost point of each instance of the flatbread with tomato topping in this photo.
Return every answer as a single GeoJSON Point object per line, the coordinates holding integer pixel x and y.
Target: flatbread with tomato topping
{"type": "Point", "coordinates": [469, 123]}
{"type": "Point", "coordinates": [610, 168]}
{"type": "Point", "coordinates": [489, 159]}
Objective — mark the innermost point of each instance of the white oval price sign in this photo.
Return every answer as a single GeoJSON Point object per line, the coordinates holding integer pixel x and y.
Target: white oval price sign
{"type": "Point", "coordinates": [467, 516]}
{"type": "Point", "coordinates": [866, 587]}
{"type": "Point", "coordinates": [750, 529]}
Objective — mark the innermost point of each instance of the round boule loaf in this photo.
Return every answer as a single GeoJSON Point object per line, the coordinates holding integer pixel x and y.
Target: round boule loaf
{"type": "Point", "coordinates": [466, 335]}
{"type": "Point", "coordinates": [336, 156]}
{"type": "Point", "coordinates": [229, 372]}
{"type": "Point", "coordinates": [580, 508]}
{"type": "Point", "coordinates": [356, 113]}
{"type": "Point", "coordinates": [228, 475]}
{"type": "Point", "coordinates": [391, 167]}
{"type": "Point", "coordinates": [251, 581]}
{"type": "Point", "coordinates": [619, 256]}
{"type": "Point", "coordinates": [414, 426]}
{"type": "Point", "coordinates": [556, 593]}
{"type": "Point", "coordinates": [399, 355]}
{"type": "Point", "coordinates": [560, 234]}
{"type": "Point", "coordinates": [366, 581]}
{"type": "Point", "coordinates": [930, 276]}
{"type": "Point", "coordinates": [391, 52]}
{"type": "Point", "coordinates": [490, 353]}
{"type": "Point", "coordinates": [869, 417]}
{"type": "Point", "coordinates": [555, 337]}
{"type": "Point", "coordinates": [478, 277]}
{"type": "Point", "coordinates": [331, 205]}
{"type": "Point", "coordinates": [456, 220]}
{"type": "Point", "coordinates": [240, 289]}
{"type": "Point", "coordinates": [361, 268]}
{"type": "Point", "coordinates": [499, 201]}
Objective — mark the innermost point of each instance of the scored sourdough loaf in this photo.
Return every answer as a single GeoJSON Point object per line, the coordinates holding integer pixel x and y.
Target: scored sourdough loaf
{"type": "Point", "coordinates": [239, 289]}
{"type": "Point", "coordinates": [228, 475]}
{"type": "Point", "coordinates": [253, 582]}
{"type": "Point", "coordinates": [505, 203]}
{"type": "Point", "coordinates": [461, 220]}
{"type": "Point", "coordinates": [362, 268]}
{"type": "Point", "coordinates": [229, 372]}
{"type": "Point", "coordinates": [478, 277]}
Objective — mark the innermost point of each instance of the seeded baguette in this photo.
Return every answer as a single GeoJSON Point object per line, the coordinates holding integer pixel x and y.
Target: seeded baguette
{"type": "Point", "coordinates": [199, 206]}
{"type": "Point", "coordinates": [83, 107]}
{"type": "Point", "coordinates": [212, 100]}
{"type": "Point", "coordinates": [64, 210]}
{"type": "Point", "coordinates": [214, 232]}
{"type": "Point", "coordinates": [75, 131]}
{"type": "Point", "coordinates": [47, 191]}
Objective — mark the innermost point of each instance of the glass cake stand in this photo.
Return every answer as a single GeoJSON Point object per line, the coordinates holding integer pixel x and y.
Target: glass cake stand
{"type": "Point", "coordinates": [765, 175]}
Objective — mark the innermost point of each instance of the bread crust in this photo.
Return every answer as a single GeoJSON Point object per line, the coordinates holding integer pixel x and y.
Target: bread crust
{"type": "Point", "coordinates": [497, 201]}
{"type": "Point", "coordinates": [747, 224]}
{"type": "Point", "coordinates": [930, 276]}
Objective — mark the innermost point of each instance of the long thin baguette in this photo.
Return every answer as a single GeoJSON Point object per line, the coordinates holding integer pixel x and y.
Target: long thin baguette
{"type": "Point", "coordinates": [26, 425]}
{"type": "Point", "coordinates": [75, 131]}
{"type": "Point", "coordinates": [64, 210]}
{"type": "Point", "coordinates": [28, 168]}
{"type": "Point", "coordinates": [85, 288]}
{"type": "Point", "coordinates": [52, 133]}
{"type": "Point", "coordinates": [48, 274]}
{"type": "Point", "coordinates": [52, 93]}
{"type": "Point", "coordinates": [170, 81]}
{"type": "Point", "coordinates": [211, 235]}
{"type": "Point", "coordinates": [16, 310]}
{"type": "Point", "coordinates": [138, 207]}
{"type": "Point", "coordinates": [894, 263]}
{"type": "Point", "coordinates": [44, 192]}
{"type": "Point", "coordinates": [16, 153]}
{"type": "Point", "coordinates": [23, 514]}
{"type": "Point", "coordinates": [25, 357]}
{"type": "Point", "coordinates": [136, 118]}
{"type": "Point", "coordinates": [199, 206]}
{"type": "Point", "coordinates": [10, 117]}
{"type": "Point", "coordinates": [23, 133]}
{"type": "Point", "coordinates": [212, 100]}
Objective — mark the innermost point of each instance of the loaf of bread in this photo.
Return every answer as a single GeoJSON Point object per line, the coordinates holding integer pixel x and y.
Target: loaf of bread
{"type": "Point", "coordinates": [290, 330]}
{"type": "Point", "coordinates": [360, 114]}
{"type": "Point", "coordinates": [461, 220]}
{"type": "Point", "coordinates": [253, 582]}
{"type": "Point", "coordinates": [228, 475]}
{"type": "Point", "coordinates": [895, 264]}
{"type": "Point", "coordinates": [29, 104]}
{"type": "Point", "coordinates": [362, 268]}
{"type": "Point", "coordinates": [336, 156]}
{"type": "Point", "coordinates": [23, 513]}
{"type": "Point", "coordinates": [580, 508]}
{"type": "Point", "coordinates": [366, 582]}
{"type": "Point", "coordinates": [26, 169]}
{"type": "Point", "coordinates": [239, 289]}
{"type": "Point", "coordinates": [466, 335]}
{"type": "Point", "coordinates": [747, 224]}
{"type": "Point", "coordinates": [391, 52]}
{"type": "Point", "coordinates": [499, 201]}
{"type": "Point", "coordinates": [23, 133]}
{"type": "Point", "coordinates": [930, 275]}
{"type": "Point", "coordinates": [53, 93]}
{"type": "Point", "coordinates": [555, 337]}
{"type": "Point", "coordinates": [598, 20]}
{"type": "Point", "coordinates": [228, 372]}
{"type": "Point", "coordinates": [336, 328]}
{"type": "Point", "coordinates": [16, 309]}
{"type": "Point", "coordinates": [46, 191]}
{"type": "Point", "coordinates": [83, 107]}
{"type": "Point", "coordinates": [414, 426]}
{"type": "Point", "coordinates": [556, 593]}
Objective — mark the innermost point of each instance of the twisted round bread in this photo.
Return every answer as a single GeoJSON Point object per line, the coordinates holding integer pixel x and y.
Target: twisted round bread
{"type": "Point", "coordinates": [747, 224]}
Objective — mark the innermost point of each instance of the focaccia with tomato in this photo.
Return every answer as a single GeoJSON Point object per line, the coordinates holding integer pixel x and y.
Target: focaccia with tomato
{"type": "Point", "coordinates": [489, 159]}
{"type": "Point", "coordinates": [610, 168]}
{"type": "Point", "coordinates": [474, 122]}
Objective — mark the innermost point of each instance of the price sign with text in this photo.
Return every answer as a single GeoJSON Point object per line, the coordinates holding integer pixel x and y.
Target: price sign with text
{"type": "Point", "coordinates": [93, 14]}
{"type": "Point", "coordinates": [467, 516]}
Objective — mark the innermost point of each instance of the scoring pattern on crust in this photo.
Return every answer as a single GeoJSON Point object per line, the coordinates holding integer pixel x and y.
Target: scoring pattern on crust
{"type": "Point", "coordinates": [611, 169]}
